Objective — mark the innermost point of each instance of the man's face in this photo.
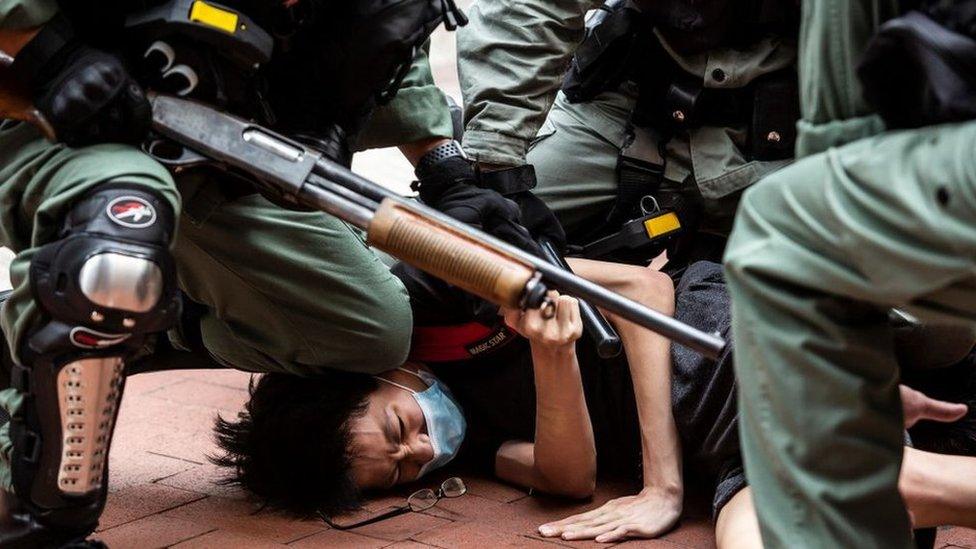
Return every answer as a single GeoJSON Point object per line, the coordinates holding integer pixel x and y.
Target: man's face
{"type": "Point", "coordinates": [390, 442]}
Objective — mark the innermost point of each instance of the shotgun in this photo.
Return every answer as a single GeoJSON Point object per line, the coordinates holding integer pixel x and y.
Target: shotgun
{"type": "Point", "coordinates": [190, 134]}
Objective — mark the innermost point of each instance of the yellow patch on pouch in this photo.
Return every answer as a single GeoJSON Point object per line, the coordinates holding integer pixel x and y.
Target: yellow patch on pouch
{"type": "Point", "coordinates": [662, 224]}
{"type": "Point", "coordinates": [212, 16]}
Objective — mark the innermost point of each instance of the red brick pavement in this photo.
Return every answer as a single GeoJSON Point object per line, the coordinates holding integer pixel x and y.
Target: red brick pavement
{"type": "Point", "coordinates": [164, 491]}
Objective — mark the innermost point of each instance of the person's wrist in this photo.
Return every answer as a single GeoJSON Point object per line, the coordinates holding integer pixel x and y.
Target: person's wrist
{"type": "Point", "coordinates": [436, 156]}
{"type": "Point", "coordinates": [560, 352]}
{"type": "Point", "coordinates": [437, 179]}
{"type": "Point", "coordinates": [667, 489]}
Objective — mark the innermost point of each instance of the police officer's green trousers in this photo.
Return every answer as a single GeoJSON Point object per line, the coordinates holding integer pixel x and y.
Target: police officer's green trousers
{"type": "Point", "coordinates": [819, 252]}
{"type": "Point", "coordinates": [286, 291]}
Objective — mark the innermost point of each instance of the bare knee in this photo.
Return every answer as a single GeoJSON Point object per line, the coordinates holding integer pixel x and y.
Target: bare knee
{"type": "Point", "coordinates": [651, 288]}
{"type": "Point", "coordinates": [737, 525]}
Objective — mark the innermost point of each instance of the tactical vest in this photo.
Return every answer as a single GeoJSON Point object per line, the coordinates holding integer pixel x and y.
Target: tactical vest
{"type": "Point", "coordinates": [623, 42]}
{"type": "Point", "coordinates": [332, 61]}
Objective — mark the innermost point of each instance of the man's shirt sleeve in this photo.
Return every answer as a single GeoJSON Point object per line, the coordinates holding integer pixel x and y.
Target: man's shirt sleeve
{"type": "Point", "coordinates": [25, 14]}
{"type": "Point", "coordinates": [832, 106]}
{"type": "Point", "coordinates": [511, 60]}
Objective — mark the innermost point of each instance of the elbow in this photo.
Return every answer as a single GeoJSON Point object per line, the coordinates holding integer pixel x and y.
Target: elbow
{"type": "Point", "coordinates": [577, 486]}
{"type": "Point", "coordinates": [580, 490]}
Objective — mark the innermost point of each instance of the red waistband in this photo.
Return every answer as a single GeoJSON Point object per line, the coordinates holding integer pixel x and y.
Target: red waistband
{"type": "Point", "coordinates": [457, 342]}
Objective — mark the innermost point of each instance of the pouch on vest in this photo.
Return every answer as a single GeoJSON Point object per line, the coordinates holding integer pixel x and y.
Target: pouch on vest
{"type": "Point", "coordinates": [334, 63]}
{"type": "Point", "coordinates": [775, 110]}
{"type": "Point", "coordinates": [608, 52]}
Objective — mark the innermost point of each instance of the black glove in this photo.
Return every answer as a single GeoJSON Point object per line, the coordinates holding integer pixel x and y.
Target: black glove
{"type": "Point", "coordinates": [449, 186]}
{"type": "Point", "coordinates": [86, 94]}
{"type": "Point", "coordinates": [516, 184]}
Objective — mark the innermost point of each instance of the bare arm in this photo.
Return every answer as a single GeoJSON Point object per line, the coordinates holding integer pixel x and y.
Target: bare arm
{"type": "Point", "coordinates": [416, 150]}
{"type": "Point", "coordinates": [649, 358]}
{"type": "Point", "coordinates": [562, 458]}
{"type": "Point", "coordinates": [658, 506]}
{"type": "Point", "coordinates": [938, 490]}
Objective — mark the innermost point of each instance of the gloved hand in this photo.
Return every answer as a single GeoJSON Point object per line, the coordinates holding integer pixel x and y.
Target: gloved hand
{"type": "Point", "coordinates": [516, 184]}
{"type": "Point", "coordinates": [86, 94]}
{"type": "Point", "coordinates": [539, 219]}
{"type": "Point", "coordinates": [449, 187]}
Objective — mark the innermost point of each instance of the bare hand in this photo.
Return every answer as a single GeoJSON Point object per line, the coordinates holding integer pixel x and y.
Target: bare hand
{"type": "Point", "coordinates": [557, 333]}
{"type": "Point", "coordinates": [917, 407]}
{"type": "Point", "coordinates": [649, 514]}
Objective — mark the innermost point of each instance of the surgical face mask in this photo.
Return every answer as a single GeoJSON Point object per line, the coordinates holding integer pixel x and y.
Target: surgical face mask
{"type": "Point", "coordinates": [445, 420]}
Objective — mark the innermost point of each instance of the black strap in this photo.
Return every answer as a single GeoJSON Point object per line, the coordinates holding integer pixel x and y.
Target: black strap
{"type": "Point", "coordinates": [510, 181]}
{"type": "Point", "coordinates": [189, 326]}
{"type": "Point", "coordinates": [640, 171]}
{"type": "Point", "coordinates": [45, 46]}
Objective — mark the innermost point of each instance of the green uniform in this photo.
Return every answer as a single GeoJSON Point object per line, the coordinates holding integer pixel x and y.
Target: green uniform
{"type": "Point", "coordinates": [513, 56]}
{"type": "Point", "coordinates": [866, 221]}
{"type": "Point", "coordinates": [285, 291]}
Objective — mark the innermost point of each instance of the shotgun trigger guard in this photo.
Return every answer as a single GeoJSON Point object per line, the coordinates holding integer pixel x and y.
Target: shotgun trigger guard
{"type": "Point", "coordinates": [173, 155]}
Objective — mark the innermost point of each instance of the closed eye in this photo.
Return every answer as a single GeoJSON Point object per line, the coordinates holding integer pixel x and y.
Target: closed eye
{"type": "Point", "coordinates": [402, 430]}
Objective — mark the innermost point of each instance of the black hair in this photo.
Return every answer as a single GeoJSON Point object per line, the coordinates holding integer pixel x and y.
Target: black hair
{"type": "Point", "coordinates": [290, 446]}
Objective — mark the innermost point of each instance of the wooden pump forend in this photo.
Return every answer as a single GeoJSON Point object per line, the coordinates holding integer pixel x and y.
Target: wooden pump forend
{"type": "Point", "coordinates": [448, 254]}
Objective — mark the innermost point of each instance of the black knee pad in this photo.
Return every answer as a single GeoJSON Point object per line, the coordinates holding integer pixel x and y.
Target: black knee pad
{"type": "Point", "coordinates": [103, 286]}
{"type": "Point", "coordinates": [111, 271]}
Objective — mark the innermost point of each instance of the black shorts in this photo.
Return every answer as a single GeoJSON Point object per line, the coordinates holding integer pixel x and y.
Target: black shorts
{"type": "Point", "coordinates": [703, 390]}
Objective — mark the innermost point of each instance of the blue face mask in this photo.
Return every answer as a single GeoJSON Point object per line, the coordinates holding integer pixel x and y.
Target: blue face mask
{"type": "Point", "coordinates": [445, 420]}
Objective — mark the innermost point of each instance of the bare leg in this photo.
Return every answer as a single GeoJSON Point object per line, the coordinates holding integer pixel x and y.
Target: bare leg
{"type": "Point", "coordinates": [737, 526]}
{"type": "Point", "coordinates": [939, 489]}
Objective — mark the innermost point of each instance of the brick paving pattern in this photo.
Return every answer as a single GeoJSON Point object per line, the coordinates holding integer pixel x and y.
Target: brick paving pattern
{"type": "Point", "coordinates": [164, 491]}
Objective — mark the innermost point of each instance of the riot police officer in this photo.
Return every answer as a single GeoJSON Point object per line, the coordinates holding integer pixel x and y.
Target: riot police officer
{"type": "Point", "coordinates": [107, 239]}
{"type": "Point", "coordinates": [685, 102]}
{"type": "Point", "coordinates": [878, 212]}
